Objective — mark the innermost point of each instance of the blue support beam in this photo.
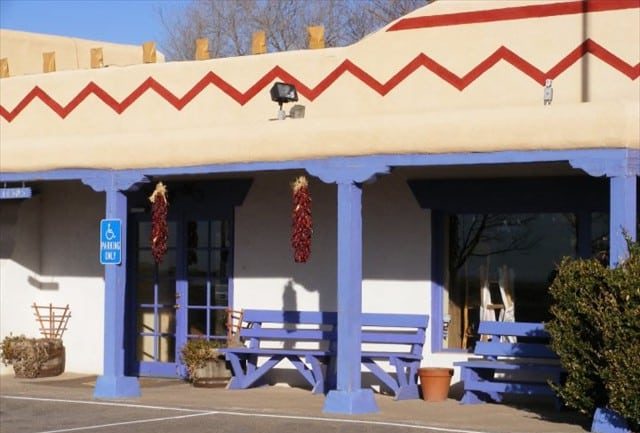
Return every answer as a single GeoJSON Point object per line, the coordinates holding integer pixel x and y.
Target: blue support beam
{"type": "Point", "coordinates": [349, 397]}
{"type": "Point", "coordinates": [623, 216]}
{"type": "Point", "coordinates": [113, 383]}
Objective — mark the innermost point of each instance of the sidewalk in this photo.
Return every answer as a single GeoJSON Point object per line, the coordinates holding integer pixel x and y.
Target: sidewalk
{"type": "Point", "coordinates": [293, 403]}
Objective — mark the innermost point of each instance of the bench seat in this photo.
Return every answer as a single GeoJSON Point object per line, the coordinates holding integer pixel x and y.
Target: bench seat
{"type": "Point", "coordinates": [388, 355]}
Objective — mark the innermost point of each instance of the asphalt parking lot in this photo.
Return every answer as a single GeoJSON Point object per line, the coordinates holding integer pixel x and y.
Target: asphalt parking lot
{"type": "Point", "coordinates": [65, 404]}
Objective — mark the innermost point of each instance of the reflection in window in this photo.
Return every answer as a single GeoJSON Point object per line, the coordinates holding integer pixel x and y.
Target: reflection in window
{"type": "Point", "coordinates": [499, 267]}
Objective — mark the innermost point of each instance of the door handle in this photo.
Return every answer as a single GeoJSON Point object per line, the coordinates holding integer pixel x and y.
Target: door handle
{"type": "Point", "coordinates": [176, 306]}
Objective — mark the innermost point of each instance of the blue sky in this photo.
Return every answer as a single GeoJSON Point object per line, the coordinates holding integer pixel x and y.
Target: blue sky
{"type": "Point", "coordinates": [118, 21]}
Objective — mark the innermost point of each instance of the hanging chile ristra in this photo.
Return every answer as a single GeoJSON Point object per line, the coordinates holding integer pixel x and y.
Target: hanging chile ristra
{"type": "Point", "coordinates": [159, 228]}
{"type": "Point", "coordinates": [302, 224]}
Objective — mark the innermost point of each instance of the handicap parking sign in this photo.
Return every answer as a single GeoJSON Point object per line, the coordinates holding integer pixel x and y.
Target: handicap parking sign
{"type": "Point", "coordinates": [110, 242]}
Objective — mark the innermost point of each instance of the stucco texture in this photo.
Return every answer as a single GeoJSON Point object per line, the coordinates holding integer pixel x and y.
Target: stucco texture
{"type": "Point", "coordinates": [475, 87]}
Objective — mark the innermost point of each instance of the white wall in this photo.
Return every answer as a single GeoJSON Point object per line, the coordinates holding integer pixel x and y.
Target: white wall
{"type": "Point", "coordinates": [396, 255]}
{"type": "Point", "coordinates": [53, 258]}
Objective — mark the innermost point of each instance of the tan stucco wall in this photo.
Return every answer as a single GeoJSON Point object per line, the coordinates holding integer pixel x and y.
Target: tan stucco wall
{"type": "Point", "coordinates": [23, 50]}
{"type": "Point", "coordinates": [595, 105]}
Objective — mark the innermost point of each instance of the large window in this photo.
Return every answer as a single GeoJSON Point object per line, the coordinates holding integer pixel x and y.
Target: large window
{"type": "Point", "coordinates": [499, 267]}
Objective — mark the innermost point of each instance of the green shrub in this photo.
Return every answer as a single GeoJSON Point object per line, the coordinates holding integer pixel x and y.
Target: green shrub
{"type": "Point", "coordinates": [595, 331]}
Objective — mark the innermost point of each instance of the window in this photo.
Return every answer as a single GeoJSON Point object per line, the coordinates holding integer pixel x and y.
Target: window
{"type": "Point", "coordinates": [500, 265]}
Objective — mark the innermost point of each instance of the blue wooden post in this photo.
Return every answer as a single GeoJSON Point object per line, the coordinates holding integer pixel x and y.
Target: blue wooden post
{"type": "Point", "coordinates": [349, 397]}
{"type": "Point", "coordinates": [348, 173]}
{"type": "Point", "coordinates": [113, 383]}
{"type": "Point", "coordinates": [623, 216]}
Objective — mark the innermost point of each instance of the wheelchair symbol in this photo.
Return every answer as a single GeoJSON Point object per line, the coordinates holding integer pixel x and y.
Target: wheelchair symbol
{"type": "Point", "coordinates": [109, 234]}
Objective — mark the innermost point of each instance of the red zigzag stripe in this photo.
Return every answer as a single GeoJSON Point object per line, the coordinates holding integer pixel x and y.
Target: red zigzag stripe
{"type": "Point", "coordinates": [422, 60]}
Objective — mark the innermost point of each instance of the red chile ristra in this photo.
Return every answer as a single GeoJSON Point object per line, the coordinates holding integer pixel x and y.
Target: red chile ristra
{"type": "Point", "coordinates": [302, 223]}
{"type": "Point", "coordinates": [159, 229]}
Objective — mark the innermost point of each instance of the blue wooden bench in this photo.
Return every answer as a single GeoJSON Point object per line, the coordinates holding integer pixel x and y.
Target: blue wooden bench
{"type": "Point", "coordinates": [277, 335]}
{"type": "Point", "coordinates": [520, 366]}
{"type": "Point", "coordinates": [397, 339]}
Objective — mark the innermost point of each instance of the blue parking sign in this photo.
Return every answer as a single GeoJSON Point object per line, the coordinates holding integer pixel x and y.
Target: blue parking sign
{"type": "Point", "coordinates": [110, 242]}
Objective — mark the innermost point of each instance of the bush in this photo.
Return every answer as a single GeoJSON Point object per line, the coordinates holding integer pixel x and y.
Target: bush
{"type": "Point", "coordinates": [595, 331]}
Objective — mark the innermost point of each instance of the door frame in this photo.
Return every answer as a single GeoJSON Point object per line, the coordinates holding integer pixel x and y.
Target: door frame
{"type": "Point", "coordinates": [208, 200]}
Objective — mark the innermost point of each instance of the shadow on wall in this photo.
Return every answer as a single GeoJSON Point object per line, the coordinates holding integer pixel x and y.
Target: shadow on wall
{"type": "Point", "coordinates": [55, 233]}
{"type": "Point", "coordinates": [263, 239]}
{"type": "Point", "coordinates": [395, 236]}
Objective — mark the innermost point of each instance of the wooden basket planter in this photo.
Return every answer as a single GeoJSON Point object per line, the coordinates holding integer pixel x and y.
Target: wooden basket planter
{"type": "Point", "coordinates": [33, 357]}
{"type": "Point", "coordinates": [214, 374]}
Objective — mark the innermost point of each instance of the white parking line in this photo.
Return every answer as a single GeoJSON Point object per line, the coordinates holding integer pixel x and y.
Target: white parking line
{"type": "Point", "coordinates": [102, 403]}
{"type": "Point", "coordinates": [351, 421]}
{"type": "Point", "coordinates": [140, 421]}
{"type": "Point", "coordinates": [196, 412]}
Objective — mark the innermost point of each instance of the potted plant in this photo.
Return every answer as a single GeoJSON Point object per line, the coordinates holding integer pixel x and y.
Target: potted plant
{"type": "Point", "coordinates": [33, 357]}
{"type": "Point", "coordinates": [594, 330]}
{"type": "Point", "coordinates": [204, 363]}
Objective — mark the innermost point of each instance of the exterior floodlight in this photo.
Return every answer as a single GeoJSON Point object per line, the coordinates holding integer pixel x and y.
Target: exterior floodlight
{"type": "Point", "coordinates": [281, 93]}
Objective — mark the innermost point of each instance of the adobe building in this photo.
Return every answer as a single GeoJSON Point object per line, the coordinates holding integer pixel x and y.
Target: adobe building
{"type": "Point", "coordinates": [465, 145]}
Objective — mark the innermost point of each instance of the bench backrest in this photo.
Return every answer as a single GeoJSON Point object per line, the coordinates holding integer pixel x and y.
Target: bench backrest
{"type": "Point", "coordinates": [274, 325]}
{"type": "Point", "coordinates": [395, 329]}
{"type": "Point", "coordinates": [378, 328]}
{"type": "Point", "coordinates": [532, 340]}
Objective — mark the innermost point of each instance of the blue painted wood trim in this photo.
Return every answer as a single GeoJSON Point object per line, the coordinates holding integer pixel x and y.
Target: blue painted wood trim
{"type": "Point", "coordinates": [346, 170]}
{"type": "Point", "coordinates": [623, 216]}
{"type": "Point", "coordinates": [437, 278]}
{"type": "Point", "coordinates": [399, 320]}
{"type": "Point", "coordinates": [349, 397]}
{"type": "Point", "coordinates": [113, 383]}
{"type": "Point", "coordinates": [349, 285]}
{"type": "Point", "coordinates": [182, 284]}
{"type": "Point", "coordinates": [518, 329]}
{"type": "Point", "coordinates": [625, 162]}
{"type": "Point", "coordinates": [278, 316]}
{"type": "Point", "coordinates": [622, 162]}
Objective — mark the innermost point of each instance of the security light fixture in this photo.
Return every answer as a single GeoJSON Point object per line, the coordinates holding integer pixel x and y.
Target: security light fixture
{"type": "Point", "coordinates": [282, 93]}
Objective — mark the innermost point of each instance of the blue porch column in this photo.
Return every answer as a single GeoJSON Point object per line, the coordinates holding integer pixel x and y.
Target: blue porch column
{"type": "Point", "coordinates": [349, 397]}
{"type": "Point", "coordinates": [113, 383]}
{"type": "Point", "coordinates": [348, 174]}
{"type": "Point", "coordinates": [623, 216]}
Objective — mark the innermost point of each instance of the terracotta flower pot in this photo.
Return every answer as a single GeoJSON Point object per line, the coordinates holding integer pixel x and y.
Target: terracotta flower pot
{"type": "Point", "coordinates": [435, 383]}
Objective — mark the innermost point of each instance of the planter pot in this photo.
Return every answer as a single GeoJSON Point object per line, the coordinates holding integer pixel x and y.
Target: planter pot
{"type": "Point", "coordinates": [214, 374]}
{"type": "Point", "coordinates": [54, 366]}
{"type": "Point", "coordinates": [608, 421]}
{"type": "Point", "coordinates": [435, 383]}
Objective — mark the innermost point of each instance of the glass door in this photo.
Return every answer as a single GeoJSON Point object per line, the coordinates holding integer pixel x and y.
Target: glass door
{"type": "Point", "coordinates": [183, 297]}
{"type": "Point", "coordinates": [208, 269]}
{"type": "Point", "coordinates": [156, 302]}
